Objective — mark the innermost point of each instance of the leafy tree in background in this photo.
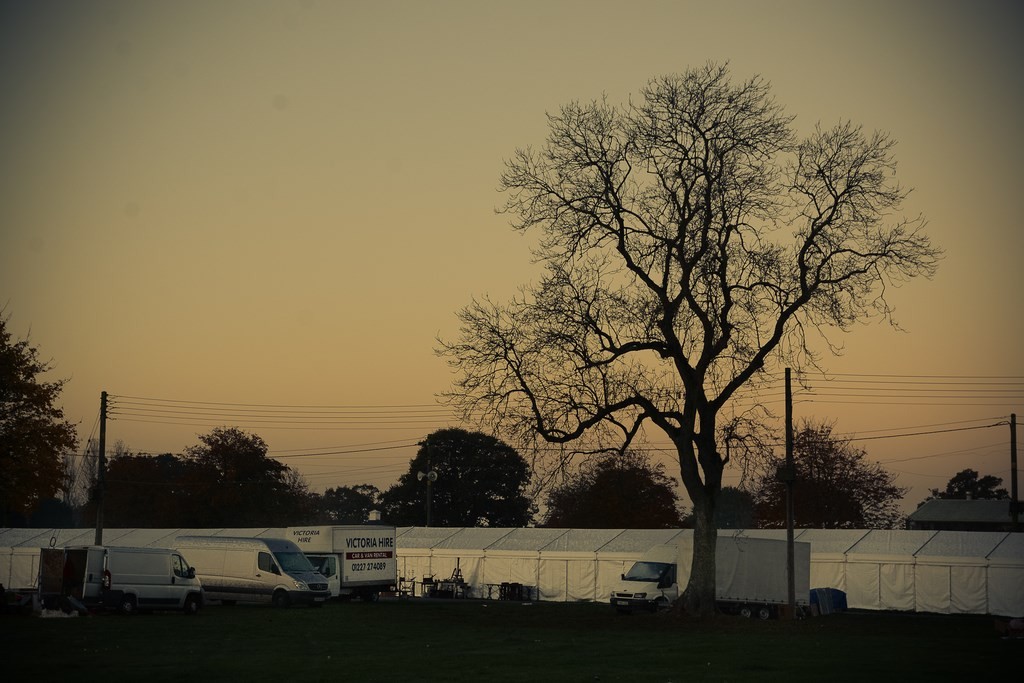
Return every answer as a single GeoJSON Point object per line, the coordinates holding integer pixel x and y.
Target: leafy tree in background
{"type": "Point", "coordinates": [349, 504]}
{"type": "Point", "coordinates": [161, 491]}
{"type": "Point", "coordinates": [836, 487]}
{"type": "Point", "coordinates": [34, 436]}
{"type": "Point", "coordinates": [481, 481]}
{"type": "Point", "coordinates": [736, 509]}
{"type": "Point", "coordinates": [968, 484]}
{"type": "Point", "coordinates": [692, 245]}
{"type": "Point", "coordinates": [240, 486]}
{"type": "Point", "coordinates": [616, 492]}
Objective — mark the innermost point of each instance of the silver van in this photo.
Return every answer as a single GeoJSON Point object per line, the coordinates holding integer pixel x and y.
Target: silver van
{"type": "Point", "coordinates": [271, 570]}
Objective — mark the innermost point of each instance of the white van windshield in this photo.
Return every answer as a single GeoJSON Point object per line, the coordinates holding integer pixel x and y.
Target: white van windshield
{"type": "Point", "coordinates": [646, 571]}
{"type": "Point", "coordinates": [293, 562]}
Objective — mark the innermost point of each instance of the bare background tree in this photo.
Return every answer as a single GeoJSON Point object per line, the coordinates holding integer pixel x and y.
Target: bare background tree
{"type": "Point", "coordinates": [691, 244]}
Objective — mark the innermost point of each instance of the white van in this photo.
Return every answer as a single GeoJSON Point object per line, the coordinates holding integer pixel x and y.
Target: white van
{"type": "Point", "coordinates": [127, 579]}
{"type": "Point", "coordinates": [253, 570]}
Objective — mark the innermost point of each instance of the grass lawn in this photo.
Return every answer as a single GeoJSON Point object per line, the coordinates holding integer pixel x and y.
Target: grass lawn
{"type": "Point", "coordinates": [438, 640]}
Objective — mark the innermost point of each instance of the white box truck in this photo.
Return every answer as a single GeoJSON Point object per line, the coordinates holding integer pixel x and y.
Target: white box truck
{"type": "Point", "coordinates": [271, 570]}
{"type": "Point", "coordinates": [126, 579]}
{"type": "Point", "coordinates": [750, 576]}
{"type": "Point", "coordinates": [358, 560]}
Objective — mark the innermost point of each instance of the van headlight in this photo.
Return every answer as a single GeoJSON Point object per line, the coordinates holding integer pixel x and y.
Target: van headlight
{"type": "Point", "coordinates": [300, 586]}
{"type": "Point", "coordinates": [639, 595]}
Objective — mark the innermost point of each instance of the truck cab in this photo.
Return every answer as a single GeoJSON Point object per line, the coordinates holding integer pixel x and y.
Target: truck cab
{"type": "Point", "coordinates": [648, 585]}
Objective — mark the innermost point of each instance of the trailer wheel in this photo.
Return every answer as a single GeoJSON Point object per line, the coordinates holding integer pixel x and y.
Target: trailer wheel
{"type": "Point", "coordinates": [745, 611]}
{"type": "Point", "coordinates": [764, 613]}
{"type": "Point", "coordinates": [191, 605]}
{"type": "Point", "coordinates": [280, 599]}
{"type": "Point", "coordinates": [128, 605]}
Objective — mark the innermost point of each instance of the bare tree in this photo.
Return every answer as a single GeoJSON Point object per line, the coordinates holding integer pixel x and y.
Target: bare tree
{"type": "Point", "coordinates": [691, 245]}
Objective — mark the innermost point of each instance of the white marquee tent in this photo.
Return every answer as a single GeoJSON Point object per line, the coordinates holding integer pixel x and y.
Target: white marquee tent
{"type": "Point", "coordinates": [925, 571]}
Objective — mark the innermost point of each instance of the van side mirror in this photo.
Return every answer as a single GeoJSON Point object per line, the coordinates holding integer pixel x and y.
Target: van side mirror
{"type": "Point", "coordinates": [622, 577]}
{"type": "Point", "coordinates": [274, 568]}
{"type": "Point", "coordinates": [191, 572]}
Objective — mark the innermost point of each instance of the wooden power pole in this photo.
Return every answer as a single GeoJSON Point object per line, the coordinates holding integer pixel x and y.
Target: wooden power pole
{"type": "Point", "coordinates": [101, 469]}
{"type": "Point", "coordinates": [1014, 504]}
{"type": "Point", "coordinates": [790, 479]}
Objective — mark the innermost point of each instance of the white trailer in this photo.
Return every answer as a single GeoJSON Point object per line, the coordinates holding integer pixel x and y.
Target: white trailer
{"type": "Point", "coordinates": [750, 576]}
{"type": "Point", "coordinates": [19, 569]}
{"type": "Point", "coordinates": [358, 560]}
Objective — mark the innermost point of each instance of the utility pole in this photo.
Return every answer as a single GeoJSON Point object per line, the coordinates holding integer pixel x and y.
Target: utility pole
{"type": "Point", "coordinates": [1014, 504]}
{"type": "Point", "coordinates": [101, 469]}
{"type": "Point", "coordinates": [430, 482]}
{"type": "Point", "coordinates": [790, 479]}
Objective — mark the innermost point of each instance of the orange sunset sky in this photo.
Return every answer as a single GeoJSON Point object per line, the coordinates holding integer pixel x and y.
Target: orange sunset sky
{"type": "Point", "coordinates": [284, 203]}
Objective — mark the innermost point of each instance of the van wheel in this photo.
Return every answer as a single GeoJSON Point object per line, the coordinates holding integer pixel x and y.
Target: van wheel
{"type": "Point", "coordinates": [128, 605]}
{"type": "Point", "coordinates": [191, 605]}
{"type": "Point", "coordinates": [280, 599]}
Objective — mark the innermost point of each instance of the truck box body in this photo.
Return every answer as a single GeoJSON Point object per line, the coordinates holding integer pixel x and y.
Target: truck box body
{"type": "Point", "coordinates": [358, 560]}
{"type": "Point", "coordinates": [19, 569]}
{"type": "Point", "coordinates": [253, 570]}
{"type": "Point", "coordinates": [127, 579]}
{"type": "Point", "coordinates": [750, 575]}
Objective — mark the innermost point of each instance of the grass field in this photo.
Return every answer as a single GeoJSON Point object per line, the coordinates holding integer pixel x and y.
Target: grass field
{"type": "Point", "coordinates": [435, 640]}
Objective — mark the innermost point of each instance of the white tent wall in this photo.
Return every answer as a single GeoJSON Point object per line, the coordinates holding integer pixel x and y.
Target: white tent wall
{"type": "Point", "coordinates": [1006, 577]}
{"type": "Point", "coordinates": [512, 566]}
{"type": "Point", "coordinates": [38, 538]}
{"type": "Point", "coordinates": [414, 564]}
{"type": "Point", "coordinates": [415, 551]}
{"type": "Point", "coordinates": [951, 572]}
{"type": "Point", "coordinates": [880, 570]}
{"type": "Point", "coordinates": [944, 572]}
{"type": "Point", "coordinates": [568, 568]}
{"type": "Point", "coordinates": [467, 551]}
{"type": "Point", "coordinates": [565, 579]}
{"type": "Point", "coordinates": [515, 558]}
{"type": "Point", "coordinates": [469, 562]}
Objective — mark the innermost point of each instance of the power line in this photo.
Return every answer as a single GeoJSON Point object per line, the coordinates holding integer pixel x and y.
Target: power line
{"type": "Point", "coordinates": [936, 431]}
{"type": "Point", "coordinates": [347, 452]}
{"type": "Point", "coordinates": [276, 406]}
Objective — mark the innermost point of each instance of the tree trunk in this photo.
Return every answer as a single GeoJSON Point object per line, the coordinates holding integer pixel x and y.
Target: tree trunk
{"type": "Point", "coordinates": [699, 597]}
